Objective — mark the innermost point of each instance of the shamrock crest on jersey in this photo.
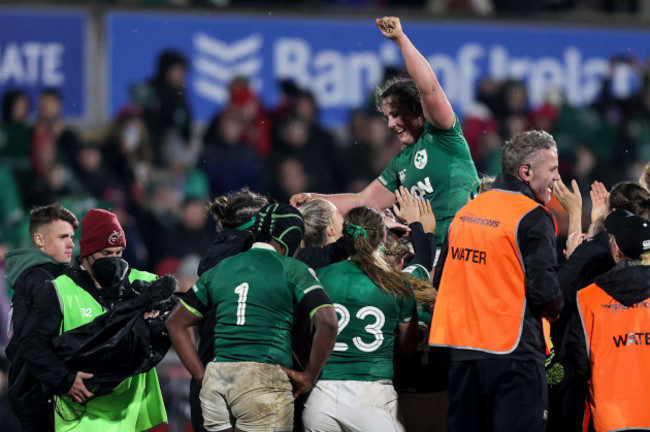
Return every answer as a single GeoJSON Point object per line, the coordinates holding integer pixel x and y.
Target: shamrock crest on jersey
{"type": "Point", "coordinates": [420, 159]}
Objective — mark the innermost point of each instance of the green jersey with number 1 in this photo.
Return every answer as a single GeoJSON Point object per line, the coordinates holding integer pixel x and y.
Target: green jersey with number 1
{"type": "Point", "coordinates": [255, 294]}
{"type": "Point", "coordinates": [368, 318]}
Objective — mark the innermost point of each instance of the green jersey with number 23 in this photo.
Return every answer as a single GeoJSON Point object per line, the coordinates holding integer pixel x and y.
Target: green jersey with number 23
{"type": "Point", "coordinates": [368, 318]}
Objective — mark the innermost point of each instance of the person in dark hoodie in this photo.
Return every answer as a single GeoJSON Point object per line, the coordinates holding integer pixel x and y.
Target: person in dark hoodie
{"type": "Point", "coordinates": [607, 340]}
{"type": "Point", "coordinates": [234, 215]}
{"type": "Point", "coordinates": [51, 229]}
{"type": "Point", "coordinates": [163, 100]}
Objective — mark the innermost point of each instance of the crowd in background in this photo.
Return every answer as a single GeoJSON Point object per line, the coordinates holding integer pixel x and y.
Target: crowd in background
{"type": "Point", "coordinates": [156, 170]}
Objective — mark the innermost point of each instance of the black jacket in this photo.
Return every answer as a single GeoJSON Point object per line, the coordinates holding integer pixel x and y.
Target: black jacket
{"type": "Point", "coordinates": [424, 246]}
{"type": "Point", "coordinates": [40, 354]}
{"type": "Point", "coordinates": [536, 239]}
{"type": "Point", "coordinates": [592, 258]}
{"type": "Point", "coordinates": [628, 283]}
{"type": "Point", "coordinates": [28, 275]}
{"type": "Point", "coordinates": [121, 343]}
{"type": "Point", "coordinates": [321, 256]}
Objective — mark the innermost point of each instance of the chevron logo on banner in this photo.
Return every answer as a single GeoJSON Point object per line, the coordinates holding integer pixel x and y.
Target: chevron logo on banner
{"type": "Point", "coordinates": [216, 63]}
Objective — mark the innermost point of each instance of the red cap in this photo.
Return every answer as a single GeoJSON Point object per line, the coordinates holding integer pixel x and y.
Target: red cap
{"type": "Point", "coordinates": [100, 229]}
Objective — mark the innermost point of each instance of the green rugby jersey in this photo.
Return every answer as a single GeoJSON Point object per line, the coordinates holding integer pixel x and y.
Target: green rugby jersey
{"type": "Point", "coordinates": [420, 272]}
{"type": "Point", "coordinates": [438, 167]}
{"type": "Point", "coordinates": [256, 294]}
{"type": "Point", "coordinates": [368, 318]}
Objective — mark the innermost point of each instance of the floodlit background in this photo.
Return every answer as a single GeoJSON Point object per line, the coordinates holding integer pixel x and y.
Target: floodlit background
{"type": "Point", "coordinates": [278, 95]}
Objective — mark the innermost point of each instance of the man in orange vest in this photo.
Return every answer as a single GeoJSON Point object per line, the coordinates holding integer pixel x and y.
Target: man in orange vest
{"type": "Point", "coordinates": [608, 338]}
{"type": "Point", "coordinates": [497, 279]}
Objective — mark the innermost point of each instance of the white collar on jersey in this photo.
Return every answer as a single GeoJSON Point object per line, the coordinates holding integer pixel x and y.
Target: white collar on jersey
{"type": "Point", "coordinates": [262, 245]}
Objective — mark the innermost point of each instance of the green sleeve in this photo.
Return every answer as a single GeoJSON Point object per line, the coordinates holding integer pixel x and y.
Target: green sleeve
{"type": "Point", "coordinates": [302, 279]}
{"type": "Point", "coordinates": [407, 308]}
{"type": "Point", "coordinates": [452, 139]}
{"type": "Point", "coordinates": [417, 271]}
{"type": "Point", "coordinates": [198, 298]}
{"type": "Point", "coordinates": [389, 176]}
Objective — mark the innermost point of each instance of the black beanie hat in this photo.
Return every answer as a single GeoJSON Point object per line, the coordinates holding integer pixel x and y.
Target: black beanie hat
{"type": "Point", "coordinates": [280, 222]}
{"type": "Point", "coordinates": [631, 232]}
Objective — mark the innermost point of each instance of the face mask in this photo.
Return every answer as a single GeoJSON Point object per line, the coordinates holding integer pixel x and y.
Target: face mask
{"type": "Point", "coordinates": [131, 137]}
{"type": "Point", "coordinates": [109, 271]}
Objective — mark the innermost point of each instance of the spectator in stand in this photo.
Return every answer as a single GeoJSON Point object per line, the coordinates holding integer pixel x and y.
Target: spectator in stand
{"type": "Point", "coordinates": [481, 131]}
{"type": "Point", "coordinates": [127, 151]}
{"type": "Point", "coordinates": [305, 107]}
{"type": "Point", "coordinates": [368, 151]}
{"type": "Point", "coordinates": [15, 129]}
{"type": "Point", "coordinates": [180, 168]}
{"type": "Point", "coordinates": [51, 130]}
{"type": "Point", "coordinates": [48, 179]}
{"type": "Point", "coordinates": [245, 105]}
{"type": "Point", "coordinates": [96, 177]}
{"type": "Point", "coordinates": [164, 103]}
{"type": "Point", "coordinates": [227, 161]}
{"type": "Point", "coordinates": [190, 235]}
{"type": "Point", "coordinates": [159, 213]}
{"type": "Point", "coordinates": [292, 177]}
{"type": "Point", "coordinates": [13, 224]}
{"type": "Point", "coordinates": [295, 141]}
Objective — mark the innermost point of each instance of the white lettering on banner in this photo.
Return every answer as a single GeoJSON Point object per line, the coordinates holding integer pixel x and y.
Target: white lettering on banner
{"type": "Point", "coordinates": [344, 79]}
{"type": "Point", "coordinates": [579, 78]}
{"type": "Point", "coordinates": [30, 63]}
{"type": "Point", "coordinates": [338, 79]}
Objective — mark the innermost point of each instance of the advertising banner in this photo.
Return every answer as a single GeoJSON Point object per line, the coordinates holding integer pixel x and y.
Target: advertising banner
{"type": "Point", "coordinates": [44, 49]}
{"type": "Point", "coordinates": [342, 61]}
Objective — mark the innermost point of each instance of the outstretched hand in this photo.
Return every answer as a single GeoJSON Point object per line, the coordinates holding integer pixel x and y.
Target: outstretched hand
{"type": "Point", "coordinates": [408, 209]}
{"type": "Point", "coordinates": [427, 217]}
{"type": "Point", "coordinates": [599, 201]}
{"type": "Point", "coordinates": [571, 200]}
{"type": "Point", "coordinates": [302, 383]}
{"type": "Point", "coordinates": [390, 27]}
{"type": "Point", "coordinates": [300, 198]}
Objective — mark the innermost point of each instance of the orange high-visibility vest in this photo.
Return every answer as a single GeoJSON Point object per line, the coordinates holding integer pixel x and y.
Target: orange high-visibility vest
{"type": "Point", "coordinates": [481, 299]}
{"type": "Point", "coordinates": [618, 344]}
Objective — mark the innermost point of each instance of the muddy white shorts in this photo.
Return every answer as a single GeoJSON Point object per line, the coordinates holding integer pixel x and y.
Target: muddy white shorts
{"type": "Point", "coordinates": [342, 405]}
{"type": "Point", "coordinates": [252, 396]}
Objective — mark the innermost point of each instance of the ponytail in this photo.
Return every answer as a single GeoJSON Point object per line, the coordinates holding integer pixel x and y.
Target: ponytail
{"type": "Point", "coordinates": [363, 232]}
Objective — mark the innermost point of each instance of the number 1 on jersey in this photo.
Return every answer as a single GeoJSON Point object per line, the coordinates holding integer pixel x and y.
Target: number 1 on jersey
{"type": "Point", "coordinates": [242, 291]}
